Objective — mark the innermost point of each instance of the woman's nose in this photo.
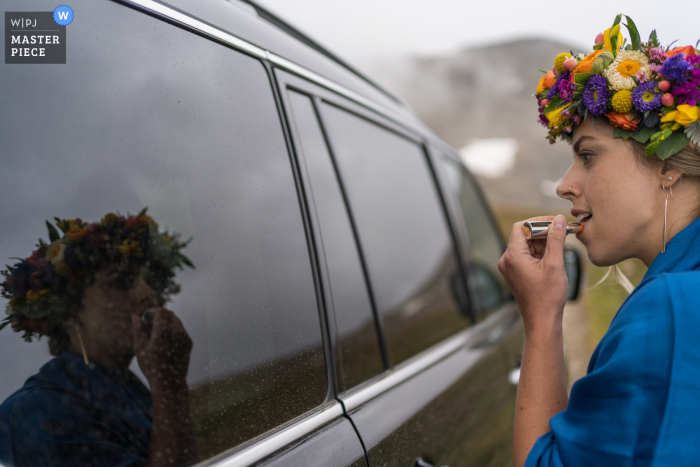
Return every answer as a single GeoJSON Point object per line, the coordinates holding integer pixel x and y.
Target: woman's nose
{"type": "Point", "coordinates": [566, 188]}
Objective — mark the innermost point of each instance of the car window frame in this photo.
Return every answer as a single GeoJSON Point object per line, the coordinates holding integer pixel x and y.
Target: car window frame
{"type": "Point", "coordinates": [287, 80]}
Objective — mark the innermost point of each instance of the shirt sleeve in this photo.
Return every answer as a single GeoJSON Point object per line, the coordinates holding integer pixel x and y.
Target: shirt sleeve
{"type": "Point", "coordinates": [52, 428]}
{"type": "Point", "coordinates": [615, 412]}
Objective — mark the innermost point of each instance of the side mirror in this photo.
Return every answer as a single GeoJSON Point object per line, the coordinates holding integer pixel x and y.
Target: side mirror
{"type": "Point", "coordinates": [572, 265]}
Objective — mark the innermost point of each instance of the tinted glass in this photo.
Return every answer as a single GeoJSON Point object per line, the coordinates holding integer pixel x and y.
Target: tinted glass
{"type": "Point", "coordinates": [403, 232]}
{"type": "Point", "coordinates": [486, 284]}
{"type": "Point", "coordinates": [153, 116]}
{"type": "Point", "coordinates": [359, 354]}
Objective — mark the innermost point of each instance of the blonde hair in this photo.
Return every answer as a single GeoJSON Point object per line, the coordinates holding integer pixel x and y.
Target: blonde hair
{"type": "Point", "coordinates": [619, 276]}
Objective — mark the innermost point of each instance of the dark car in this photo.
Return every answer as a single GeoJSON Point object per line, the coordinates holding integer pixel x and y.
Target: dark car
{"type": "Point", "coordinates": [346, 307]}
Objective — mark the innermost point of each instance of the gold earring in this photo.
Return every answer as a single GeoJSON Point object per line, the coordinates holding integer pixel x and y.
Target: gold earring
{"type": "Point", "coordinates": [663, 244]}
{"type": "Point", "coordinates": [82, 346]}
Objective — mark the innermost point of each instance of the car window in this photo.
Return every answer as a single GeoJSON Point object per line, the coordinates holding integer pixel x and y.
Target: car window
{"type": "Point", "coordinates": [487, 286]}
{"type": "Point", "coordinates": [402, 229]}
{"type": "Point", "coordinates": [359, 352]}
{"type": "Point", "coordinates": [163, 119]}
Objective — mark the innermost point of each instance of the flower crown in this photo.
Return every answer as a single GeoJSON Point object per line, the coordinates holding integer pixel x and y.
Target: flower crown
{"type": "Point", "coordinates": [53, 278]}
{"type": "Point", "coordinates": [647, 92]}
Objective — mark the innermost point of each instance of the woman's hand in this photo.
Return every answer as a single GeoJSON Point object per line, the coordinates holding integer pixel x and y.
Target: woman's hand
{"type": "Point", "coordinates": [534, 270]}
{"type": "Point", "coordinates": [535, 273]}
{"type": "Point", "coordinates": [164, 355]}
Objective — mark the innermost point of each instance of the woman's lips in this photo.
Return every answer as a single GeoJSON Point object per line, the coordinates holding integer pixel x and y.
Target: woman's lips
{"type": "Point", "coordinates": [584, 217]}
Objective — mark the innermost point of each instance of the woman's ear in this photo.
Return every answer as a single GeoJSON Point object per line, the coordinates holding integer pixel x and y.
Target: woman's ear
{"type": "Point", "coordinates": [669, 178]}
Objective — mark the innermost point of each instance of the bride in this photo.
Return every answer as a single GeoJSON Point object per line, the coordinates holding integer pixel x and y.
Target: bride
{"type": "Point", "coordinates": [631, 114]}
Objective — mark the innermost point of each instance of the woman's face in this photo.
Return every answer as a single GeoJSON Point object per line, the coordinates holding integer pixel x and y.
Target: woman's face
{"type": "Point", "coordinates": [619, 197]}
{"type": "Point", "coordinates": [108, 304]}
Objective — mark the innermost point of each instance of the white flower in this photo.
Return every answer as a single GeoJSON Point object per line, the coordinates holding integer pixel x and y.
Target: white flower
{"type": "Point", "coordinates": [9, 311]}
{"type": "Point", "coordinates": [55, 252]}
{"type": "Point", "coordinates": [625, 66]}
{"type": "Point", "coordinates": [692, 131]}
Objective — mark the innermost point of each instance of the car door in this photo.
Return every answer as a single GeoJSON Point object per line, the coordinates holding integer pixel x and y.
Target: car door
{"type": "Point", "coordinates": [169, 113]}
{"type": "Point", "coordinates": [443, 395]}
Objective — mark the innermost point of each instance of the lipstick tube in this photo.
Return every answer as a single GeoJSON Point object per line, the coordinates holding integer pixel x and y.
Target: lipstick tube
{"type": "Point", "coordinates": [539, 229]}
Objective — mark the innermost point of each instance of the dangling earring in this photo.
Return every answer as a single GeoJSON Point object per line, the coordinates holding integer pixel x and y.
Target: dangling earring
{"type": "Point", "coordinates": [82, 346]}
{"type": "Point", "coordinates": [663, 187]}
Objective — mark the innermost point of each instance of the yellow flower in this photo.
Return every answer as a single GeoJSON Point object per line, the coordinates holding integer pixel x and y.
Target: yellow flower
{"type": "Point", "coordinates": [16, 302]}
{"type": "Point", "coordinates": [629, 67]}
{"type": "Point", "coordinates": [609, 34]}
{"type": "Point", "coordinates": [109, 219]}
{"type": "Point", "coordinates": [554, 117]}
{"type": "Point", "coordinates": [62, 269]}
{"type": "Point", "coordinates": [687, 114]}
{"type": "Point", "coordinates": [621, 71]}
{"type": "Point", "coordinates": [55, 252]}
{"type": "Point", "coordinates": [130, 248]}
{"type": "Point", "coordinates": [32, 296]}
{"type": "Point", "coordinates": [622, 101]}
{"type": "Point", "coordinates": [668, 121]}
{"type": "Point", "coordinates": [44, 291]}
{"type": "Point", "coordinates": [559, 62]}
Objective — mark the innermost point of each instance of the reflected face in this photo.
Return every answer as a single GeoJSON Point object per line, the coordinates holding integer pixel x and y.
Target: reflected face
{"type": "Point", "coordinates": [618, 197]}
{"type": "Point", "coordinates": [108, 304]}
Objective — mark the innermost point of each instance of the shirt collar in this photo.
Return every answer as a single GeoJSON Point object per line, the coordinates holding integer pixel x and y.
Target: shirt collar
{"type": "Point", "coordinates": [682, 253]}
{"type": "Point", "coordinates": [91, 379]}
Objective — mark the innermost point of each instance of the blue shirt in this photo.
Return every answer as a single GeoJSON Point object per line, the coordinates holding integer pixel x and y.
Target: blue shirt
{"type": "Point", "coordinates": [639, 404]}
{"type": "Point", "coordinates": [74, 414]}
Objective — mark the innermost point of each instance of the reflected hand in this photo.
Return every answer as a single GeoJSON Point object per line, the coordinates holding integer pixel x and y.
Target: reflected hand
{"type": "Point", "coordinates": [164, 355]}
{"type": "Point", "coordinates": [535, 273]}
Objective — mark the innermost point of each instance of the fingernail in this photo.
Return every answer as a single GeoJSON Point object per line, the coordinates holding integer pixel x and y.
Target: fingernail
{"type": "Point", "coordinates": [560, 222]}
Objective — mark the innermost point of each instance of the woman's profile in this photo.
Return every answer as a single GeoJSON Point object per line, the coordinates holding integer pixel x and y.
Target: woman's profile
{"type": "Point", "coordinates": [97, 291]}
{"type": "Point", "coordinates": [630, 109]}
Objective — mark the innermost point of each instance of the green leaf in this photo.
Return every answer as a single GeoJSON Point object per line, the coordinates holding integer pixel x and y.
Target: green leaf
{"type": "Point", "coordinates": [653, 39]}
{"type": "Point", "coordinates": [142, 212]}
{"type": "Point", "coordinates": [186, 260]}
{"type": "Point", "coordinates": [618, 18]}
{"type": "Point", "coordinates": [634, 34]}
{"type": "Point", "coordinates": [642, 134]}
{"type": "Point", "coordinates": [5, 322]}
{"type": "Point", "coordinates": [582, 77]}
{"type": "Point", "coordinates": [672, 145]}
{"type": "Point", "coordinates": [651, 149]}
{"type": "Point", "coordinates": [620, 133]}
{"type": "Point", "coordinates": [53, 233]}
{"type": "Point", "coordinates": [613, 45]}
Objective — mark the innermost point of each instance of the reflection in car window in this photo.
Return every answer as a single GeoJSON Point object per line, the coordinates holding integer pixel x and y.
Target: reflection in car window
{"type": "Point", "coordinates": [403, 232]}
{"type": "Point", "coordinates": [360, 356]}
{"type": "Point", "coordinates": [190, 129]}
{"type": "Point", "coordinates": [486, 284]}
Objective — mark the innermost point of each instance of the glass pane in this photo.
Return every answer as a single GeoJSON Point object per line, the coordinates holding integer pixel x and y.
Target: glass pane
{"type": "Point", "coordinates": [360, 356]}
{"type": "Point", "coordinates": [403, 232]}
{"type": "Point", "coordinates": [164, 119]}
{"type": "Point", "coordinates": [487, 286]}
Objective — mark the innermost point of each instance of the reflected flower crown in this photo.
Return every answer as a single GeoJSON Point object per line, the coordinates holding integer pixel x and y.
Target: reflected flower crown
{"type": "Point", "coordinates": [51, 281]}
{"type": "Point", "coordinates": [647, 92]}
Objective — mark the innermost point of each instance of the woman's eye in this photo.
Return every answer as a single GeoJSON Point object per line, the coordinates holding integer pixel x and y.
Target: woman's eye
{"type": "Point", "coordinates": [586, 157]}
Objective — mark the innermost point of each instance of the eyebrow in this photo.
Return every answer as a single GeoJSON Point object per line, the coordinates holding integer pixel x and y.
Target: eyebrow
{"type": "Point", "coordinates": [582, 139]}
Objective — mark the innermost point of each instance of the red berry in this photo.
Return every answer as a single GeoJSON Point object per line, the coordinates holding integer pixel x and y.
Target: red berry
{"type": "Point", "coordinates": [544, 102]}
{"type": "Point", "coordinates": [667, 99]}
{"type": "Point", "coordinates": [664, 85]}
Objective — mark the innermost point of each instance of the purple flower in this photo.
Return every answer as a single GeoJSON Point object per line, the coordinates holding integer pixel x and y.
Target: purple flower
{"type": "Point", "coordinates": [657, 53]}
{"type": "Point", "coordinates": [641, 76]}
{"type": "Point", "coordinates": [566, 87]}
{"type": "Point", "coordinates": [676, 68]}
{"type": "Point", "coordinates": [544, 121]}
{"type": "Point", "coordinates": [595, 95]}
{"type": "Point", "coordinates": [645, 97]}
{"type": "Point", "coordinates": [554, 89]}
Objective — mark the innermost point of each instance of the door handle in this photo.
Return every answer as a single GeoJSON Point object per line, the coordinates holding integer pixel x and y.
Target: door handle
{"type": "Point", "coordinates": [421, 463]}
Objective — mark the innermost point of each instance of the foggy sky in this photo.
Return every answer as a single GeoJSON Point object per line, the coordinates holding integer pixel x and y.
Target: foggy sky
{"type": "Point", "coordinates": [363, 30]}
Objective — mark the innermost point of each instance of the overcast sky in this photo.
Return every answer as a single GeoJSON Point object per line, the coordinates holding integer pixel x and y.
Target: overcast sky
{"type": "Point", "coordinates": [361, 30]}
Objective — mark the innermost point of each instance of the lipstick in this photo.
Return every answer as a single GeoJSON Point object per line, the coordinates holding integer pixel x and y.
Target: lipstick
{"type": "Point", "coordinates": [539, 229]}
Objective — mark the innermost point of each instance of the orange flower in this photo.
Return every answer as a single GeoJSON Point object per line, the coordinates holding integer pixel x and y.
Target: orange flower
{"type": "Point", "coordinates": [624, 121]}
{"type": "Point", "coordinates": [546, 82]}
{"type": "Point", "coordinates": [76, 233]}
{"type": "Point", "coordinates": [586, 65]}
{"type": "Point", "coordinates": [688, 50]}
